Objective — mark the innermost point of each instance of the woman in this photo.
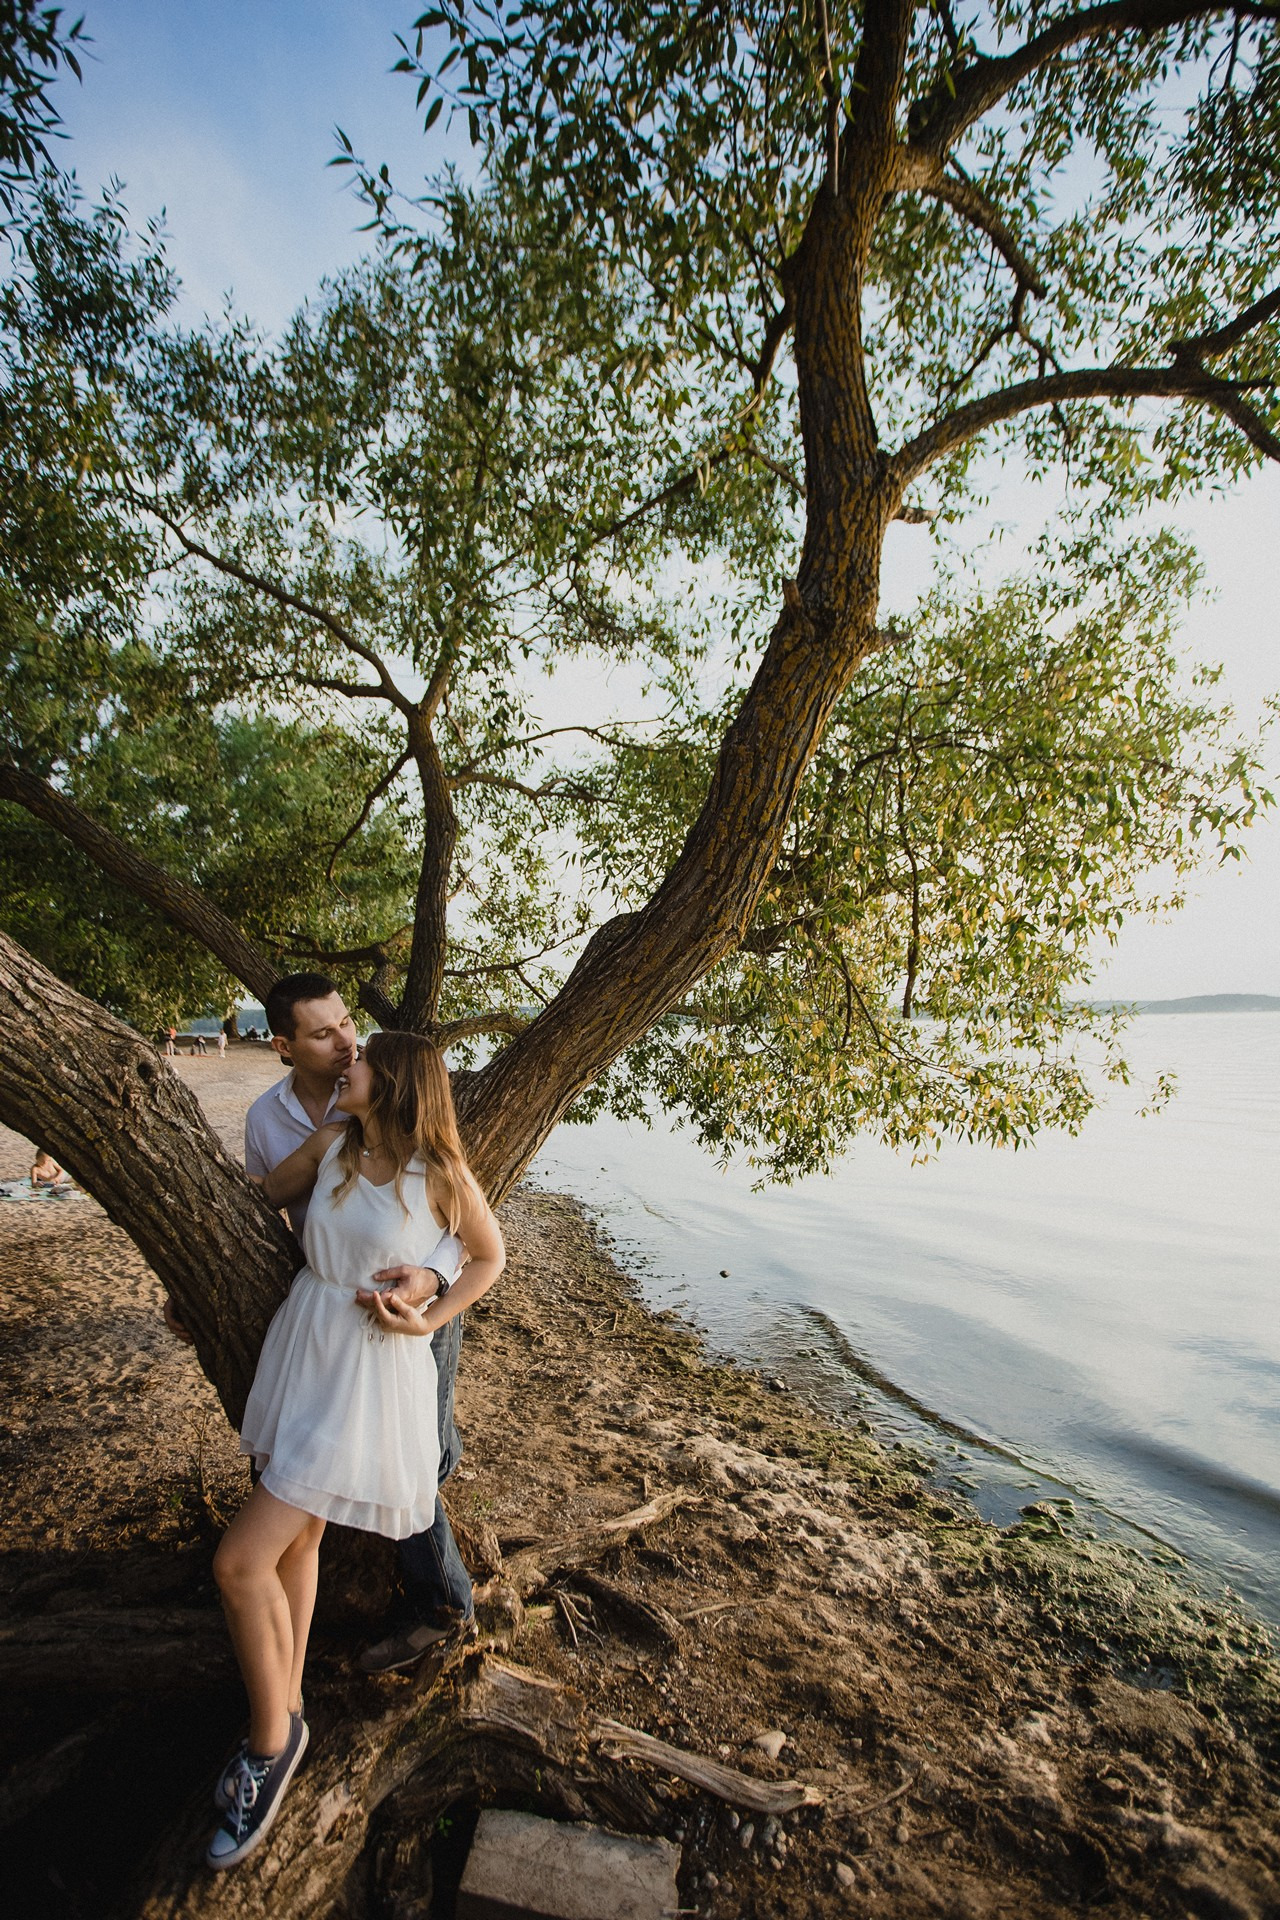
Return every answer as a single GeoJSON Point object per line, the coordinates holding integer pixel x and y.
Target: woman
{"type": "Point", "coordinates": [341, 1419]}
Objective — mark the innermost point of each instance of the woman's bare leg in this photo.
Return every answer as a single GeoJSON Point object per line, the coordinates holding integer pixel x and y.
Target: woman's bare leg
{"type": "Point", "coordinates": [299, 1569]}
{"type": "Point", "coordinates": [247, 1570]}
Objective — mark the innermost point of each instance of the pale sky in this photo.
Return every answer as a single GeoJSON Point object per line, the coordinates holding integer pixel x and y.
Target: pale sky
{"type": "Point", "coordinates": [221, 112]}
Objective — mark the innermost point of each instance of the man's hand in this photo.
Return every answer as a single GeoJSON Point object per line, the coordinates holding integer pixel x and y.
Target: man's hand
{"type": "Point", "coordinates": [175, 1325]}
{"type": "Point", "coordinates": [410, 1286]}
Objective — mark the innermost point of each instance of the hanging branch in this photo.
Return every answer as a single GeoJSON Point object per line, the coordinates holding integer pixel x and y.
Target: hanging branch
{"type": "Point", "coordinates": [292, 602]}
{"type": "Point", "coordinates": [370, 800]}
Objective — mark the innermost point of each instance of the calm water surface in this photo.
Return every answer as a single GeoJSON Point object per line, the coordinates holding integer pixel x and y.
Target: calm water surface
{"type": "Point", "coordinates": [1096, 1317]}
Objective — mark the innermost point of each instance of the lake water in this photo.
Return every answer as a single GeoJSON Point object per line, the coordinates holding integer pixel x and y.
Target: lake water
{"type": "Point", "coordinates": [1097, 1317]}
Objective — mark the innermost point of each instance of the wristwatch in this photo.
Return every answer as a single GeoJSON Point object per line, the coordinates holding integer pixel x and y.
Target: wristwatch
{"type": "Point", "coordinates": [444, 1283]}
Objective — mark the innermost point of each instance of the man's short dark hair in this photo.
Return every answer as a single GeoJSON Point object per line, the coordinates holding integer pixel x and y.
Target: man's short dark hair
{"type": "Point", "coordinates": [286, 996]}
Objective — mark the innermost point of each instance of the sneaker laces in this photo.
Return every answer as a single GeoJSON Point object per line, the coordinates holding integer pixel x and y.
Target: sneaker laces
{"type": "Point", "coordinates": [249, 1781]}
{"type": "Point", "coordinates": [231, 1772]}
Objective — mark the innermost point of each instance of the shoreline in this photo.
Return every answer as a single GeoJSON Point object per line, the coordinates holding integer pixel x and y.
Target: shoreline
{"type": "Point", "coordinates": [998, 1722]}
{"type": "Point", "coordinates": [1000, 1485]}
{"type": "Point", "coordinates": [1101, 1306]}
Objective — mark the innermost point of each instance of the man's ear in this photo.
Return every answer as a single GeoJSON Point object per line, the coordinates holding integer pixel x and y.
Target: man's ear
{"type": "Point", "coordinates": [281, 1046]}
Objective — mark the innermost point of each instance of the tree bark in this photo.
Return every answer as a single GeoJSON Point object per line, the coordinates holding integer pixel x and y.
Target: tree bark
{"type": "Point", "coordinates": [424, 977]}
{"type": "Point", "coordinates": [77, 1080]}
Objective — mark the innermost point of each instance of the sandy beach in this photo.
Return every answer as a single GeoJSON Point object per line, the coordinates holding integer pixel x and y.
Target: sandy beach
{"type": "Point", "coordinates": [1016, 1723]}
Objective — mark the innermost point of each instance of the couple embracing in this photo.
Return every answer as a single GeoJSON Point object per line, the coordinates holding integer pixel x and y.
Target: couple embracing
{"type": "Point", "coordinates": [350, 1417]}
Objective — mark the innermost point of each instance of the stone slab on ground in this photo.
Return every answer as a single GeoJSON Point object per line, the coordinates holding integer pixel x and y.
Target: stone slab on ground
{"type": "Point", "coordinates": [522, 1867]}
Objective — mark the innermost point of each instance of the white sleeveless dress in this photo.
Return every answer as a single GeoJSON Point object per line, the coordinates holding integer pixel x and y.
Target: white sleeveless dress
{"type": "Point", "coordinates": [341, 1419]}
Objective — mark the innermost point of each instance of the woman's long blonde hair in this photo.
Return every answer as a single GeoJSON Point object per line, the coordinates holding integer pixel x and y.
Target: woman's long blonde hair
{"type": "Point", "coordinates": [412, 1111]}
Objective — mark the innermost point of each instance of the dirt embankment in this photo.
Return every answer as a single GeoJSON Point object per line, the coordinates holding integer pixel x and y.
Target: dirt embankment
{"type": "Point", "coordinates": [1015, 1724]}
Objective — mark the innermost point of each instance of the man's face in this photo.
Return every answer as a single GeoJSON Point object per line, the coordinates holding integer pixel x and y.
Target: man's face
{"type": "Point", "coordinates": [324, 1038]}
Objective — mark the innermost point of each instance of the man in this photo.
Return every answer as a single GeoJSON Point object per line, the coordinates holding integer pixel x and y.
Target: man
{"type": "Point", "coordinates": [312, 1030]}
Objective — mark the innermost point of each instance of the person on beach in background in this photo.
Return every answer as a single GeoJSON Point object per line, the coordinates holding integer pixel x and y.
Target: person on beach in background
{"type": "Point", "coordinates": [45, 1171]}
{"type": "Point", "coordinates": [170, 1043]}
{"type": "Point", "coordinates": [222, 1042]}
{"type": "Point", "coordinates": [341, 1419]}
{"type": "Point", "coordinates": [313, 1031]}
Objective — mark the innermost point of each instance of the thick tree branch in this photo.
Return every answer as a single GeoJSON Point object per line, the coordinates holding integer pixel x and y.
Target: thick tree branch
{"type": "Point", "coordinates": [472, 1025]}
{"type": "Point", "coordinates": [180, 903]}
{"type": "Point", "coordinates": [93, 1091]}
{"type": "Point", "coordinates": [374, 954]}
{"type": "Point", "coordinates": [1200, 347]}
{"type": "Point", "coordinates": [937, 120]}
{"type": "Point", "coordinates": [1082, 383]}
{"type": "Point", "coordinates": [831, 90]}
{"type": "Point", "coordinates": [877, 80]}
{"type": "Point", "coordinates": [919, 171]}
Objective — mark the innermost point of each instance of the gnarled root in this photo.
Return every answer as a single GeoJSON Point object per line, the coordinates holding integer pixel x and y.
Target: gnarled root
{"type": "Point", "coordinates": [488, 1726]}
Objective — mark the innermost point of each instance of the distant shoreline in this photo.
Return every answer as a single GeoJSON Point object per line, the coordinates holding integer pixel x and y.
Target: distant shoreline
{"type": "Point", "coordinates": [1195, 1003]}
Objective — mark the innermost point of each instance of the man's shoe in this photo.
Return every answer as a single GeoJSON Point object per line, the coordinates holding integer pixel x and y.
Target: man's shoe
{"type": "Point", "coordinates": [406, 1648]}
{"type": "Point", "coordinates": [225, 1790]}
{"type": "Point", "coordinates": [259, 1789]}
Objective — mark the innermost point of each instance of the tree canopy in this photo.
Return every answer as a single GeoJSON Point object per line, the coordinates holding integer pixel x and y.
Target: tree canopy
{"type": "Point", "coordinates": [34, 45]}
{"type": "Point", "coordinates": [737, 288]}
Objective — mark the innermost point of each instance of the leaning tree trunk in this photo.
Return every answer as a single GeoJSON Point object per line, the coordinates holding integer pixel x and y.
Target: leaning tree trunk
{"type": "Point", "coordinates": [85, 1085]}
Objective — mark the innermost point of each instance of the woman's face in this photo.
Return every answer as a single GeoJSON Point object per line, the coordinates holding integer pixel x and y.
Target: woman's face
{"type": "Point", "coordinates": [355, 1087]}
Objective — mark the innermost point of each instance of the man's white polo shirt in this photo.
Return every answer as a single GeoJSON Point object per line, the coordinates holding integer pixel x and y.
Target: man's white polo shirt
{"type": "Point", "coordinates": [275, 1126]}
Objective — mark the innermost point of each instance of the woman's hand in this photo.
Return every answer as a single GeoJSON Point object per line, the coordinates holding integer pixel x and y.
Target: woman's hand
{"type": "Point", "coordinates": [485, 1258]}
{"type": "Point", "coordinates": [296, 1176]}
{"type": "Point", "coordinates": [395, 1315]}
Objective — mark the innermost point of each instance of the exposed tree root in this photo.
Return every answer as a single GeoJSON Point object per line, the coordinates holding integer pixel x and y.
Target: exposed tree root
{"type": "Point", "coordinates": [533, 1566]}
{"type": "Point", "coordinates": [473, 1726]}
{"type": "Point", "coordinates": [488, 1727]}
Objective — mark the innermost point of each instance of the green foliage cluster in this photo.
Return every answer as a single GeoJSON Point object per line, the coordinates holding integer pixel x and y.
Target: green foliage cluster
{"type": "Point", "coordinates": [443, 452]}
{"type": "Point", "coordinates": [998, 792]}
{"type": "Point", "coordinates": [1115, 198]}
{"type": "Point", "coordinates": [94, 696]}
{"type": "Point", "coordinates": [34, 44]}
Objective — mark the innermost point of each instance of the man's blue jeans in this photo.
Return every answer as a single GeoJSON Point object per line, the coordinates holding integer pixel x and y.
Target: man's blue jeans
{"type": "Point", "coordinates": [433, 1569]}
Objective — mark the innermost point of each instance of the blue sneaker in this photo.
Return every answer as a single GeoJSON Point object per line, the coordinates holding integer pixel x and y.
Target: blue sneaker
{"type": "Point", "coordinates": [260, 1784]}
{"type": "Point", "coordinates": [224, 1791]}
